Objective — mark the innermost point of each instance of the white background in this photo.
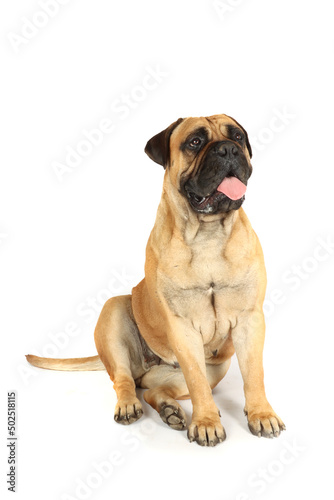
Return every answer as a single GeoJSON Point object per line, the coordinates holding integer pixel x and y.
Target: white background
{"type": "Point", "coordinates": [63, 243]}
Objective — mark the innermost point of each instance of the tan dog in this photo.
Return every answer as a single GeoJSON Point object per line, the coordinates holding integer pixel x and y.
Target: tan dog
{"type": "Point", "coordinates": [202, 295]}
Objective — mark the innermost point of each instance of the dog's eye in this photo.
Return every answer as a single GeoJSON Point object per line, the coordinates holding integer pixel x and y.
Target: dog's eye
{"type": "Point", "coordinates": [238, 136]}
{"type": "Point", "coordinates": [195, 142]}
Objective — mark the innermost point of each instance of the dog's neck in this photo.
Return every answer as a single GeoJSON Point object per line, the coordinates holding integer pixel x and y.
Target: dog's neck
{"type": "Point", "coordinates": [189, 225]}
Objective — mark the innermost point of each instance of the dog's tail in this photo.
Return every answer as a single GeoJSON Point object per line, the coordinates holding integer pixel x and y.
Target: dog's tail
{"type": "Point", "coordinates": [72, 364]}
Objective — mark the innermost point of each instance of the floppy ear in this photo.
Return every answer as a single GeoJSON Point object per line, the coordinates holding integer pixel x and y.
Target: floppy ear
{"type": "Point", "coordinates": [246, 136]}
{"type": "Point", "coordinates": [157, 148]}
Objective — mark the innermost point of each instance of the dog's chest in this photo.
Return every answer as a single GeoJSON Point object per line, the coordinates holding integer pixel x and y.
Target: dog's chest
{"type": "Point", "coordinates": [208, 290]}
{"type": "Point", "coordinates": [211, 308]}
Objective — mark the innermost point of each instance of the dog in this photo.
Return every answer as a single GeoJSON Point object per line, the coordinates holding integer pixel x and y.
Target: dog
{"type": "Point", "coordinates": [202, 296]}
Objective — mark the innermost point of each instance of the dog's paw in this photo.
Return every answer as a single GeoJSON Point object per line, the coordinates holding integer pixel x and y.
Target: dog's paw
{"type": "Point", "coordinates": [206, 431]}
{"type": "Point", "coordinates": [173, 415]}
{"type": "Point", "coordinates": [127, 412]}
{"type": "Point", "coordinates": [264, 423]}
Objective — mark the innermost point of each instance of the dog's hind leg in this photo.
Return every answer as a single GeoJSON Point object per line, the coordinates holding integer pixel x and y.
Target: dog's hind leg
{"type": "Point", "coordinates": [165, 384]}
{"type": "Point", "coordinates": [118, 345]}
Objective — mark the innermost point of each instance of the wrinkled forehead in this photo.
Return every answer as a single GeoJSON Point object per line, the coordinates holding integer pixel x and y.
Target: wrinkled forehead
{"type": "Point", "coordinates": [215, 126]}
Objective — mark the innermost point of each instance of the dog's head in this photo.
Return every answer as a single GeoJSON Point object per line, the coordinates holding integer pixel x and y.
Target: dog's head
{"type": "Point", "coordinates": [208, 161]}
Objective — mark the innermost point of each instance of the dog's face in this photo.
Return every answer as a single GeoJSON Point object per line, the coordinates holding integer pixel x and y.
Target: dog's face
{"type": "Point", "coordinates": [208, 161]}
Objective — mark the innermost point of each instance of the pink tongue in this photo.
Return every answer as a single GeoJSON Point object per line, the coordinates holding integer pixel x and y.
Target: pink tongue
{"type": "Point", "coordinates": [232, 187]}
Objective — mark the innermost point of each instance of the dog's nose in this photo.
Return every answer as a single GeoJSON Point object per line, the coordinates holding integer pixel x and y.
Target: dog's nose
{"type": "Point", "coordinates": [226, 149]}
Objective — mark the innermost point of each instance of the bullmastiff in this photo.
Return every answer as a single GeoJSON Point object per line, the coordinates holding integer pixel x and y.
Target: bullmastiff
{"type": "Point", "coordinates": [202, 295]}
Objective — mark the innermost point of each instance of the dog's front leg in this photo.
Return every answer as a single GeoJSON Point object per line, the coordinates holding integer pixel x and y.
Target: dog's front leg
{"type": "Point", "coordinates": [248, 339]}
{"type": "Point", "coordinates": [187, 344]}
